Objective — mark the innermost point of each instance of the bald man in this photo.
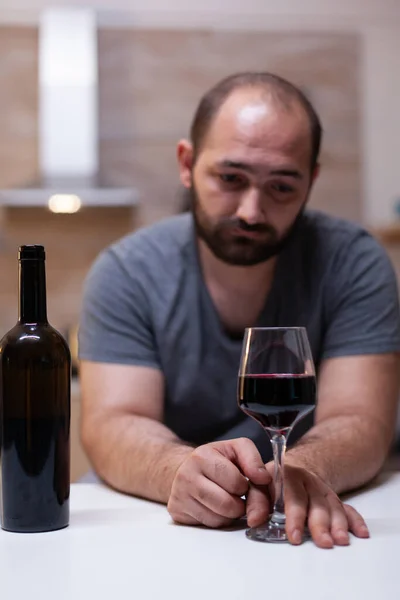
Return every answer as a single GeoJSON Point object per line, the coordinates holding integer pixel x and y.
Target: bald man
{"type": "Point", "coordinates": [165, 309]}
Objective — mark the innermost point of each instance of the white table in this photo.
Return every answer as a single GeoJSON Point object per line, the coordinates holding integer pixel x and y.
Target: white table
{"type": "Point", "coordinates": [118, 548]}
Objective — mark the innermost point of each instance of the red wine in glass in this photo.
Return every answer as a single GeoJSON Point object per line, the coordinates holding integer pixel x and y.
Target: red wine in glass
{"type": "Point", "coordinates": [277, 401]}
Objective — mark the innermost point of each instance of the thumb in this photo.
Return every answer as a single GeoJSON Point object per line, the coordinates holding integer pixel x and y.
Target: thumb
{"type": "Point", "coordinates": [258, 505]}
{"type": "Point", "coordinates": [244, 454]}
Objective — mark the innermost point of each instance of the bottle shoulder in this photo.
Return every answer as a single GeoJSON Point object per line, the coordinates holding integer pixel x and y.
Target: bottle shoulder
{"type": "Point", "coordinates": [32, 337]}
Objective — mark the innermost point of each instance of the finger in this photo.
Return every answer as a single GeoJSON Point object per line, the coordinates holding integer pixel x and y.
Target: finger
{"type": "Point", "coordinates": [208, 461]}
{"type": "Point", "coordinates": [224, 473]}
{"type": "Point", "coordinates": [213, 497]}
{"type": "Point", "coordinates": [357, 525]}
{"type": "Point", "coordinates": [258, 505]}
{"type": "Point", "coordinates": [196, 513]}
{"type": "Point", "coordinates": [319, 518]}
{"type": "Point", "coordinates": [249, 461]}
{"type": "Point", "coordinates": [339, 521]}
{"type": "Point", "coordinates": [296, 505]}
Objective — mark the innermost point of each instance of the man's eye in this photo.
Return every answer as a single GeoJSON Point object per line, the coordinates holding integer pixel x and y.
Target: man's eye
{"type": "Point", "coordinates": [282, 188]}
{"type": "Point", "coordinates": [231, 178]}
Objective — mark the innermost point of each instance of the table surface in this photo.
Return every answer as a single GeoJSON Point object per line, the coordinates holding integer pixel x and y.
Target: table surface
{"type": "Point", "coordinates": [121, 548]}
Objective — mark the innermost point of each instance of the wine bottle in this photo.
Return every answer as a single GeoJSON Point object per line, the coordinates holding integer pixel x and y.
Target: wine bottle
{"type": "Point", "coordinates": [35, 387]}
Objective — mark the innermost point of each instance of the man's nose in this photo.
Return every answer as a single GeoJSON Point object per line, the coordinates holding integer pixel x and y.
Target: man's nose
{"type": "Point", "coordinates": [250, 208]}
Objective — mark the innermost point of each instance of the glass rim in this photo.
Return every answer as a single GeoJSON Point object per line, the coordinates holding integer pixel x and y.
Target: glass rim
{"type": "Point", "coordinates": [275, 329]}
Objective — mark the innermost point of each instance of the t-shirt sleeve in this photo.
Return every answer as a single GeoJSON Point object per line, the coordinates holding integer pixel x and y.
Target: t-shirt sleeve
{"type": "Point", "coordinates": [362, 301]}
{"type": "Point", "coordinates": [115, 324]}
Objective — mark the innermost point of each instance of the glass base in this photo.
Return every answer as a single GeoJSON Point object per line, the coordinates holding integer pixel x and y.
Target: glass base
{"type": "Point", "coordinates": [272, 532]}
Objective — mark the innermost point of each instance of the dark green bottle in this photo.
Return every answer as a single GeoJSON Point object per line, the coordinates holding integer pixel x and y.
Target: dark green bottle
{"type": "Point", "coordinates": [35, 406]}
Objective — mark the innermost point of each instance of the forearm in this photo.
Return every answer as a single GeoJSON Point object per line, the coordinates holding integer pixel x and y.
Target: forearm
{"type": "Point", "coordinates": [136, 455]}
{"type": "Point", "coordinates": [345, 451]}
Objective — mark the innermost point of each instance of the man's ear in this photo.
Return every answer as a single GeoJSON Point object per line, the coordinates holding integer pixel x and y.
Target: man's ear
{"type": "Point", "coordinates": [315, 173]}
{"type": "Point", "coordinates": [184, 154]}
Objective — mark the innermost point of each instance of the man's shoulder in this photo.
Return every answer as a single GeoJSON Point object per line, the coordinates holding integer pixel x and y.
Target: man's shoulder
{"type": "Point", "coordinates": [163, 241]}
{"type": "Point", "coordinates": [330, 235]}
{"type": "Point", "coordinates": [333, 227]}
{"type": "Point", "coordinates": [150, 255]}
{"type": "Point", "coordinates": [339, 250]}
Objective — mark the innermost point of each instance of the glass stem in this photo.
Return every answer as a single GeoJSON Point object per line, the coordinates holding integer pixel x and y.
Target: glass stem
{"type": "Point", "coordinates": [279, 447]}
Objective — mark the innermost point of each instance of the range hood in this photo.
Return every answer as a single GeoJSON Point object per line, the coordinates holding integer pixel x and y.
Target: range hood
{"type": "Point", "coordinates": [68, 119]}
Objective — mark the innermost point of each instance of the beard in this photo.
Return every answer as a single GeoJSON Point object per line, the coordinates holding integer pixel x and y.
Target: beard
{"type": "Point", "coordinates": [224, 240]}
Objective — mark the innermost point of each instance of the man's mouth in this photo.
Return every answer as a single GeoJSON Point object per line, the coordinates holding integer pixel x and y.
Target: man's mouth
{"type": "Point", "coordinates": [248, 233]}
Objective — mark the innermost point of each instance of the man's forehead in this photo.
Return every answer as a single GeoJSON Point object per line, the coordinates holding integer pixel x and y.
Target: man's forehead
{"type": "Point", "coordinates": [278, 143]}
{"type": "Point", "coordinates": [256, 120]}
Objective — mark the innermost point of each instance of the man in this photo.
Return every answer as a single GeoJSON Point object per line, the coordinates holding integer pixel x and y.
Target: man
{"type": "Point", "coordinates": [165, 309]}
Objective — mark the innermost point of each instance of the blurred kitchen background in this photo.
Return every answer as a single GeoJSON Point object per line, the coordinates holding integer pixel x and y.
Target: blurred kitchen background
{"type": "Point", "coordinates": [94, 98]}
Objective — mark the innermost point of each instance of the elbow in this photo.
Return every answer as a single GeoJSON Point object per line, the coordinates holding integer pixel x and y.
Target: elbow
{"type": "Point", "coordinates": [94, 444]}
{"type": "Point", "coordinates": [382, 444]}
{"type": "Point", "coordinates": [88, 438]}
{"type": "Point", "coordinates": [99, 439]}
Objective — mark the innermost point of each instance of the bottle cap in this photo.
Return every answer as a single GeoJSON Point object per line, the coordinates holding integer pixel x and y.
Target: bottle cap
{"type": "Point", "coordinates": [31, 252]}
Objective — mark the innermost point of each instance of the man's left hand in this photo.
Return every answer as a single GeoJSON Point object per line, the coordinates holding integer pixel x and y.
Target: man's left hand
{"type": "Point", "coordinates": [308, 501]}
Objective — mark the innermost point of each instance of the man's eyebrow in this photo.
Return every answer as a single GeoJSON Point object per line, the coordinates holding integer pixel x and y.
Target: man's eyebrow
{"type": "Point", "coordinates": [287, 173]}
{"type": "Point", "coordinates": [234, 164]}
{"type": "Point", "coordinates": [243, 166]}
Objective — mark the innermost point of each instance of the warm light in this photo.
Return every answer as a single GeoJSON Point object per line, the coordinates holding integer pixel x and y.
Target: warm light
{"type": "Point", "coordinates": [64, 203]}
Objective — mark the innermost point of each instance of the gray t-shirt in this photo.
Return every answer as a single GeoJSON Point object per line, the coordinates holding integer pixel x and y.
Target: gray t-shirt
{"type": "Point", "coordinates": [145, 303]}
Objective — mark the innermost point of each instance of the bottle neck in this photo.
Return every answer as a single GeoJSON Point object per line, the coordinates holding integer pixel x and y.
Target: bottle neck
{"type": "Point", "coordinates": [32, 291]}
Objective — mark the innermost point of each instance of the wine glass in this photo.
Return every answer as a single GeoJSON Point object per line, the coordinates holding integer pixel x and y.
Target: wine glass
{"type": "Point", "coordinates": [277, 388]}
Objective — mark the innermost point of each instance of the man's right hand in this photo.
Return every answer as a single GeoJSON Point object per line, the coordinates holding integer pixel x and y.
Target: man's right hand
{"type": "Point", "coordinates": [208, 485]}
